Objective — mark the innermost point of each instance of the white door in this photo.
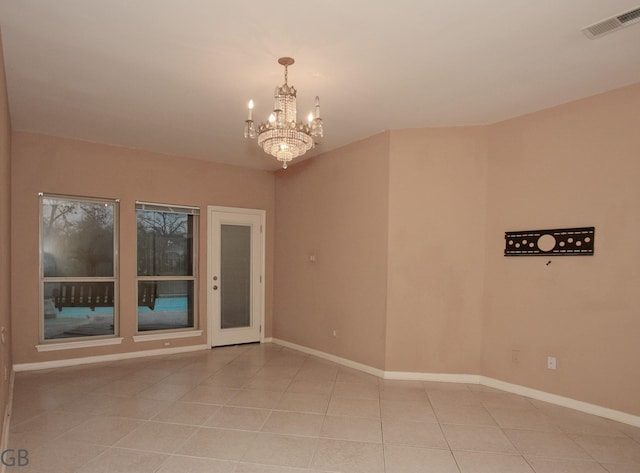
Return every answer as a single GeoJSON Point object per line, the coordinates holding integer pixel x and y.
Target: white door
{"type": "Point", "coordinates": [235, 275]}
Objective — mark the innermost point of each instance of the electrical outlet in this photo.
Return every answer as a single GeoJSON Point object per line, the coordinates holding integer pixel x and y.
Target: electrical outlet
{"type": "Point", "coordinates": [551, 363]}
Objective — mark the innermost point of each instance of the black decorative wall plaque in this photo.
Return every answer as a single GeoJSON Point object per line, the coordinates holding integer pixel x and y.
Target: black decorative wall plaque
{"type": "Point", "coordinates": [558, 242]}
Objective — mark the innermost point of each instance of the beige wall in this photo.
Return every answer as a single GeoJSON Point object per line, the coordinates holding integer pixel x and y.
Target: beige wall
{"type": "Point", "coordinates": [436, 250]}
{"type": "Point", "coordinates": [5, 238]}
{"type": "Point", "coordinates": [573, 165]}
{"type": "Point", "coordinates": [62, 166]}
{"type": "Point", "coordinates": [334, 207]}
{"type": "Point", "coordinates": [452, 302]}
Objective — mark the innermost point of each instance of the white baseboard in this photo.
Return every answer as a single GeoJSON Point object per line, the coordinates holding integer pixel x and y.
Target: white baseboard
{"type": "Point", "coordinates": [334, 358]}
{"type": "Point", "coordinates": [43, 365]}
{"type": "Point", "coordinates": [586, 407]}
{"type": "Point", "coordinates": [439, 377]}
{"type": "Point", "coordinates": [562, 401]}
{"type": "Point", "coordinates": [6, 421]}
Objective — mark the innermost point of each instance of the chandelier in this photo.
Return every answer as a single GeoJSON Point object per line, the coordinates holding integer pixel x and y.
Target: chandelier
{"type": "Point", "coordinates": [282, 135]}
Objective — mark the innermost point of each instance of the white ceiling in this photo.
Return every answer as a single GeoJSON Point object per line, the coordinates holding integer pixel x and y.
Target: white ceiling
{"type": "Point", "coordinates": [175, 76]}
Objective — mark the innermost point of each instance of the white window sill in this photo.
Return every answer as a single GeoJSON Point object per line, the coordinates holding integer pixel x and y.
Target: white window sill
{"type": "Point", "coordinates": [79, 344]}
{"type": "Point", "coordinates": [166, 336]}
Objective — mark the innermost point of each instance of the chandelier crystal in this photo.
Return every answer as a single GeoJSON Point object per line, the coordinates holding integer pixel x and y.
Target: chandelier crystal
{"type": "Point", "coordinates": [282, 136]}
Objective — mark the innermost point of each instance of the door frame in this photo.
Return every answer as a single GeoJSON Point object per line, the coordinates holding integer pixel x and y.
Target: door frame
{"type": "Point", "coordinates": [260, 292]}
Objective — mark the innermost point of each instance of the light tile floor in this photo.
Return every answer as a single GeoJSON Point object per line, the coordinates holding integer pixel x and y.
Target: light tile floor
{"type": "Point", "coordinates": [268, 409]}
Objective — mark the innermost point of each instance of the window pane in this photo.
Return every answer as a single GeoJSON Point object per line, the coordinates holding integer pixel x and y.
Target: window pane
{"type": "Point", "coordinates": [165, 243]}
{"type": "Point", "coordinates": [78, 309]}
{"type": "Point", "coordinates": [164, 305]}
{"type": "Point", "coordinates": [77, 238]}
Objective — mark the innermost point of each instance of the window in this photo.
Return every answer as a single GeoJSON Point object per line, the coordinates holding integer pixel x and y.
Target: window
{"type": "Point", "coordinates": [167, 266]}
{"type": "Point", "coordinates": [78, 267]}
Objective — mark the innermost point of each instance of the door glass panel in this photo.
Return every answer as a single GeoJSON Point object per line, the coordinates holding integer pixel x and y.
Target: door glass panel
{"type": "Point", "coordinates": [235, 276]}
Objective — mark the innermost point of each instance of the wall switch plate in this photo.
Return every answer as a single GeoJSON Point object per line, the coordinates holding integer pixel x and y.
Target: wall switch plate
{"type": "Point", "coordinates": [551, 363]}
{"type": "Point", "coordinates": [515, 356]}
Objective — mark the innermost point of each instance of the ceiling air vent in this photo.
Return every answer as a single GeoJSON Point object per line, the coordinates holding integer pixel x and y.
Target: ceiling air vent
{"type": "Point", "coordinates": [612, 24]}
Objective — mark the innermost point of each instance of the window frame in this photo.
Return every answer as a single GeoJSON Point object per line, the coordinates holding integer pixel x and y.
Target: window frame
{"type": "Point", "coordinates": [159, 334]}
{"type": "Point", "coordinates": [89, 340]}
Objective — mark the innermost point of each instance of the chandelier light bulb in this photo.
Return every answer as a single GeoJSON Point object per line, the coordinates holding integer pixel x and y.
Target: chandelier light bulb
{"type": "Point", "coordinates": [310, 117]}
{"type": "Point", "coordinates": [250, 109]}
